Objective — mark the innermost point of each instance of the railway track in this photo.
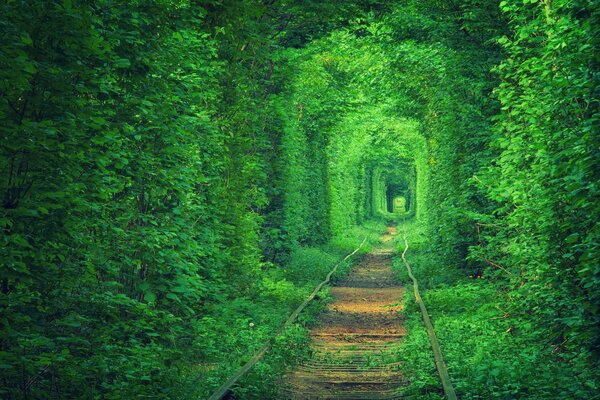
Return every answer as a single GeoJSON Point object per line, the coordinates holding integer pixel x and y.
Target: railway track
{"type": "Point", "coordinates": [352, 346]}
{"type": "Point", "coordinates": [351, 343]}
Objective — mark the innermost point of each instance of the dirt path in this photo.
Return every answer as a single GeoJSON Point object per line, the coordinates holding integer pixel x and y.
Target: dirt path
{"type": "Point", "coordinates": [350, 340]}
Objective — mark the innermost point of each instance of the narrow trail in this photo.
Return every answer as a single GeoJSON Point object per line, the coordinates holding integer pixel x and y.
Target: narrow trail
{"type": "Point", "coordinates": [351, 338]}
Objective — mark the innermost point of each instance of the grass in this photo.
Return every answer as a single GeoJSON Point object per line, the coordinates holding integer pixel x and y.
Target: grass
{"type": "Point", "coordinates": [235, 330]}
{"type": "Point", "coordinates": [492, 351]}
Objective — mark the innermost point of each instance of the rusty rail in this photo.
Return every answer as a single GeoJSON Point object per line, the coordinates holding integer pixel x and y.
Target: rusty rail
{"type": "Point", "coordinates": [440, 364]}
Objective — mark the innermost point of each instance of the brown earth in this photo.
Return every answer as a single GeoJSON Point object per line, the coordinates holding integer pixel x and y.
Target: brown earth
{"type": "Point", "coordinates": [349, 343]}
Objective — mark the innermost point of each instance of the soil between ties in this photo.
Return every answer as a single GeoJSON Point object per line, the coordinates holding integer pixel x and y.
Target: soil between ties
{"type": "Point", "coordinates": [350, 341]}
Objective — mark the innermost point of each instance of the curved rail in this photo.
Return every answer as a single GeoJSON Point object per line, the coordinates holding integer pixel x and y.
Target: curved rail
{"type": "Point", "coordinates": [226, 387]}
{"type": "Point", "coordinates": [440, 364]}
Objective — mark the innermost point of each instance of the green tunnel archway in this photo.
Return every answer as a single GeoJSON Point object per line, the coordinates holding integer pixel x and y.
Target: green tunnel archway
{"type": "Point", "coordinates": [394, 188]}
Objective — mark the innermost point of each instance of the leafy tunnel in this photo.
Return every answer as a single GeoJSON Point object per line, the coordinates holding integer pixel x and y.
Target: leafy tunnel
{"type": "Point", "coordinates": [177, 176]}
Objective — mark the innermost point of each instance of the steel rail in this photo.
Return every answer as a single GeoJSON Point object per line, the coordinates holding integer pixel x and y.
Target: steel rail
{"type": "Point", "coordinates": [440, 364]}
{"type": "Point", "coordinates": [226, 387]}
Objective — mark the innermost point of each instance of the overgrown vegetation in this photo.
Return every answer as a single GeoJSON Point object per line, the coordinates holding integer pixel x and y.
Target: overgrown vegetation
{"type": "Point", "coordinates": [177, 175]}
{"type": "Point", "coordinates": [491, 351]}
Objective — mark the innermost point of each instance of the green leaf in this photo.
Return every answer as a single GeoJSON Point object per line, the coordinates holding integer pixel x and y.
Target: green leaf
{"type": "Point", "coordinates": [149, 297]}
{"type": "Point", "coordinates": [29, 68]}
{"type": "Point", "coordinates": [173, 296]}
{"type": "Point", "coordinates": [26, 39]}
{"type": "Point", "coordinates": [122, 63]}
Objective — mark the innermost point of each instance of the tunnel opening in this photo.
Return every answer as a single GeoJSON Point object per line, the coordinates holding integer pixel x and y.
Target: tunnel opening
{"type": "Point", "coordinates": [396, 191]}
{"type": "Point", "coordinates": [393, 187]}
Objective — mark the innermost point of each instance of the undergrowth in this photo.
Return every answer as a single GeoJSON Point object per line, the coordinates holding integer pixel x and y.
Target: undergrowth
{"type": "Point", "coordinates": [492, 350]}
{"type": "Point", "coordinates": [256, 317]}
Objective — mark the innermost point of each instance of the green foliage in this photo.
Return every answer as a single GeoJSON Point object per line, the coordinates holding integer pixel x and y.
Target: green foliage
{"type": "Point", "coordinates": [482, 344]}
{"type": "Point", "coordinates": [288, 349]}
{"type": "Point", "coordinates": [102, 262]}
{"type": "Point", "coordinates": [544, 230]}
{"type": "Point", "coordinates": [483, 338]}
{"type": "Point", "coordinates": [177, 176]}
{"type": "Point", "coordinates": [307, 264]}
